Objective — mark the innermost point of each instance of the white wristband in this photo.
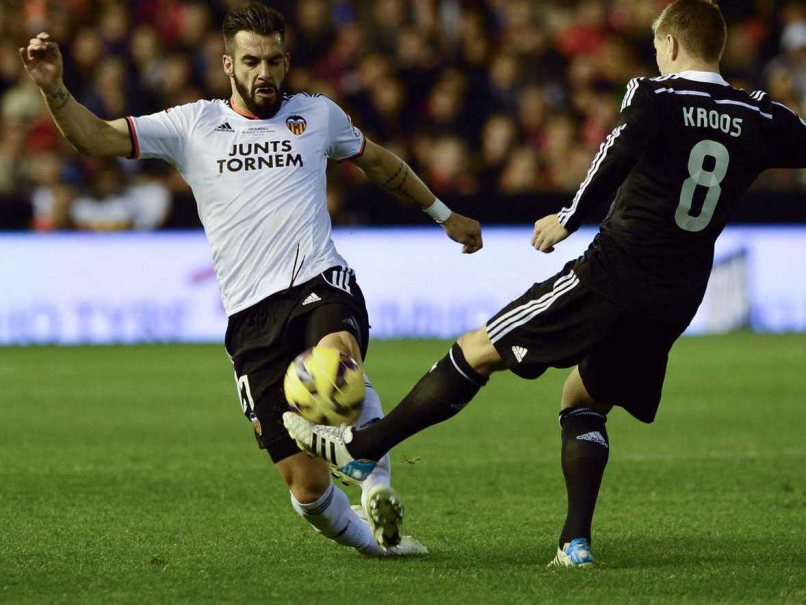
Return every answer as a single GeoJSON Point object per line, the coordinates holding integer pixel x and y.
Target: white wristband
{"type": "Point", "coordinates": [438, 211]}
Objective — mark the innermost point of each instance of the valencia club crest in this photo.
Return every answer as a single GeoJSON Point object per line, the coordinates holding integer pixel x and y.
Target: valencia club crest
{"type": "Point", "coordinates": [296, 124]}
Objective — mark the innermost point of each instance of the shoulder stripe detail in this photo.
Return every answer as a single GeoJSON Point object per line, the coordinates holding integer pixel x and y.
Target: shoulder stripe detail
{"type": "Point", "coordinates": [699, 93]}
{"type": "Point", "coordinates": [664, 78]}
{"type": "Point", "coordinates": [794, 113]}
{"type": "Point", "coordinates": [628, 96]}
{"type": "Point", "coordinates": [785, 107]}
{"type": "Point", "coordinates": [518, 316]}
{"type": "Point", "coordinates": [740, 104]}
{"type": "Point", "coordinates": [566, 213]}
{"type": "Point", "coordinates": [696, 93]}
{"type": "Point", "coordinates": [758, 95]}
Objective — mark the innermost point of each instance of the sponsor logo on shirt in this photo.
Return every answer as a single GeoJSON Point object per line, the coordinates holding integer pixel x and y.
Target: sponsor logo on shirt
{"type": "Point", "coordinates": [257, 156]}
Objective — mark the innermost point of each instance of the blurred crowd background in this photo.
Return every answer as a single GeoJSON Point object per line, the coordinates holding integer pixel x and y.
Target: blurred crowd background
{"type": "Point", "coordinates": [486, 99]}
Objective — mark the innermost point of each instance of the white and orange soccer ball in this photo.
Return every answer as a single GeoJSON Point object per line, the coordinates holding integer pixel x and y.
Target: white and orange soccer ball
{"type": "Point", "coordinates": [325, 386]}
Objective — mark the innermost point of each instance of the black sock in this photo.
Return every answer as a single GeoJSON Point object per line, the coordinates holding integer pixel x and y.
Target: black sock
{"type": "Point", "coordinates": [442, 393]}
{"type": "Point", "coordinates": [584, 457]}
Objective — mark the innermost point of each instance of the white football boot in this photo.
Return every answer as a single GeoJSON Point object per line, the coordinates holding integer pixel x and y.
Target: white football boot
{"type": "Point", "coordinates": [408, 547]}
{"type": "Point", "coordinates": [330, 444]}
{"type": "Point", "coordinates": [384, 513]}
{"type": "Point", "coordinates": [576, 553]}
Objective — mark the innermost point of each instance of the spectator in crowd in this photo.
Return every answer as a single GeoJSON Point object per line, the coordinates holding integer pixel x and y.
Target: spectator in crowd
{"type": "Point", "coordinates": [52, 196]}
{"type": "Point", "coordinates": [492, 96]}
{"type": "Point", "coordinates": [112, 202]}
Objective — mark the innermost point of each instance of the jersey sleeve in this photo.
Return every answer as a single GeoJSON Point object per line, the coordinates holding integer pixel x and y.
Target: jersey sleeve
{"type": "Point", "coordinates": [162, 135]}
{"type": "Point", "coordinates": [344, 141]}
{"type": "Point", "coordinates": [637, 128]}
{"type": "Point", "coordinates": [787, 145]}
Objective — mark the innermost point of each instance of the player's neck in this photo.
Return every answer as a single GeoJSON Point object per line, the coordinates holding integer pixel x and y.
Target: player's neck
{"type": "Point", "coordinates": [237, 104]}
{"type": "Point", "coordinates": [696, 66]}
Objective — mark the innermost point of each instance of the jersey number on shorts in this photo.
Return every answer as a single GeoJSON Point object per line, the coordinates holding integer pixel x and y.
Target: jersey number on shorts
{"type": "Point", "coordinates": [699, 176]}
{"type": "Point", "coordinates": [244, 393]}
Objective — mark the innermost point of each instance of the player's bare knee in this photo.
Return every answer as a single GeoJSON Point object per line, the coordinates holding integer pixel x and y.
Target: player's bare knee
{"type": "Point", "coordinates": [576, 395]}
{"type": "Point", "coordinates": [480, 352]}
{"type": "Point", "coordinates": [344, 342]}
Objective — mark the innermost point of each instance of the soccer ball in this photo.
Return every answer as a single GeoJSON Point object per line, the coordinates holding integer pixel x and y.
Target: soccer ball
{"type": "Point", "coordinates": [325, 386]}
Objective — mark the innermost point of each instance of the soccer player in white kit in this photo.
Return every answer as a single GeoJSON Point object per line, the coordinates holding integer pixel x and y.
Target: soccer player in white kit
{"type": "Point", "coordinates": [256, 164]}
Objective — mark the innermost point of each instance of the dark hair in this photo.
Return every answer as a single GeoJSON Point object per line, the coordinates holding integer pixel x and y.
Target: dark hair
{"type": "Point", "coordinates": [698, 24]}
{"type": "Point", "coordinates": [254, 17]}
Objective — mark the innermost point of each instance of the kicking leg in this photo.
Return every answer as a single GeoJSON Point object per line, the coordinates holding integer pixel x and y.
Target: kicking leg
{"type": "Point", "coordinates": [442, 393]}
{"type": "Point", "coordinates": [585, 451]}
{"type": "Point", "coordinates": [439, 395]}
{"type": "Point", "coordinates": [381, 504]}
{"type": "Point", "coordinates": [450, 385]}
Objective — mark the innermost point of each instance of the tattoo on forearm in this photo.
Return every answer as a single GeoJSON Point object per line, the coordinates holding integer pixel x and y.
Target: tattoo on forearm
{"type": "Point", "coordinates": [396, 188]}
{"type": "Point", "coordinates": [389, 181]}
{"type": "Point", "coordinates": [60, 97]}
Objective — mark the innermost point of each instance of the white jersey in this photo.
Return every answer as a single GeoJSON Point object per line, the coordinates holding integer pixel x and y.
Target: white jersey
{"type": "Point", "coordinates": [259, 186]}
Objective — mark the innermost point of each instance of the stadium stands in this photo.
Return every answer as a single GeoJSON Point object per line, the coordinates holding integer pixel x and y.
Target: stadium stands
{"type": "Point", "coordinates": [493, 101]}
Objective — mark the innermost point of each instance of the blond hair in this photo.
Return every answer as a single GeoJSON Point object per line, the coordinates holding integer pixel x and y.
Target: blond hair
{"type": "Point", "coordinates": [697, 24]}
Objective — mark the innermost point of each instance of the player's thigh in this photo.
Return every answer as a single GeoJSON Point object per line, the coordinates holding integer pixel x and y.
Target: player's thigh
{"type": "Point", "coordinates": [257, 343]}
{"type": "Point", "coordinates": [576, 395]}
{"type": "Point", "coordinates": [628, 368]}
{"type": "Point", "coordinates": [337, 326]}
{"type": "Point", "coordinates": [480, 352]}
{"type": "Point", "coordinates": [338, 317]}
{"type": "Point", "coordinates": [555, 323]}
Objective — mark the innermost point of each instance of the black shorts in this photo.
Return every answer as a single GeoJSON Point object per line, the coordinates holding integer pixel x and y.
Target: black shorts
{"type": "Point", "coordinates": [561, 322]}
{"type": "Point", "coordinates": [263, 340]}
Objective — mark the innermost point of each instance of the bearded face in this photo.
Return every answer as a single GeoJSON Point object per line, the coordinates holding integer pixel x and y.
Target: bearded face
{"type": "Point", "coordinates": [257, 69]}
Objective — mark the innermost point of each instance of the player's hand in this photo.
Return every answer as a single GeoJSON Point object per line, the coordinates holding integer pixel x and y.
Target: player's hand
{"type": "Point", "coordinates": [465, 231]}
{"type": "Point", "coordinates": [43, 62]}
{"type": "Point", "coordinates": [548, 233]}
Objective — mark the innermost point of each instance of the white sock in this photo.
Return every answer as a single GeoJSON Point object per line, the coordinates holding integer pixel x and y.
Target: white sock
{"type": "Point", "coordinates": [370, 411]}
{"type": "Point", "coordinates": [332, 516]}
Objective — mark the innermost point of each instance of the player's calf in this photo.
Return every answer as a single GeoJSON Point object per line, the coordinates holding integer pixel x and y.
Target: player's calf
{"type": "Point", "coordinates": [585, 452]}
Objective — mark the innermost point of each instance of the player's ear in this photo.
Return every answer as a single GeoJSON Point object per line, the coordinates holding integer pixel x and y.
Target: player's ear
{"type": "Point", "coordinates": [673, 47]}
{"type": "Point", "coordinates": [287, 59]}
{"type": "Point", "coordinates": [228, 68]}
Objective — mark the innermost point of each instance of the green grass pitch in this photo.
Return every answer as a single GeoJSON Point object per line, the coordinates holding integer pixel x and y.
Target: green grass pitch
{"type": "Point", "coordinates": [129, 476]}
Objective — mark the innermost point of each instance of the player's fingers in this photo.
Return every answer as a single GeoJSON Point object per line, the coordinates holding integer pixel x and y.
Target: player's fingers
{"type": "Point", "coordinates": [43, 36]}
{"type": "Point", "coordinates": [24, 57]}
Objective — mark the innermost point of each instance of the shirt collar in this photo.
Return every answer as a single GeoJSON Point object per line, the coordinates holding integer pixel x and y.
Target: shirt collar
{"type": "Point", "coordinates": [707, 77]}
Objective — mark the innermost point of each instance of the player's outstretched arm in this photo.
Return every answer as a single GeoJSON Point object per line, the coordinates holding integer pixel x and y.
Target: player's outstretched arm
{"type": "Point", "coordinates": [86, 132]}
{"type": "Point", "coordinates": [391, 173]}
{"type": "Point", "coordinates": [548, 232]}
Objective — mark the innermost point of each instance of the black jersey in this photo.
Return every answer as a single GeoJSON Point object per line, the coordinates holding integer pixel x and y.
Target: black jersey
{"type": "Point", "coordinates": [686, 148]}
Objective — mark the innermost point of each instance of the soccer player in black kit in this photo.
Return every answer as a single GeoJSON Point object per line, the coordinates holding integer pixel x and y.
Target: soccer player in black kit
{"type": "Point", "coordinates": [686, 148]}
